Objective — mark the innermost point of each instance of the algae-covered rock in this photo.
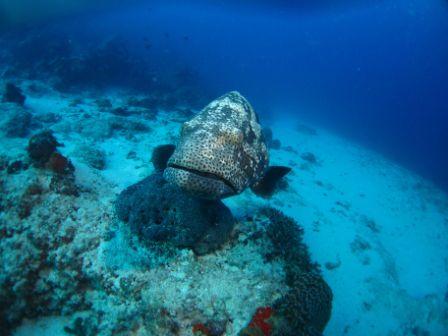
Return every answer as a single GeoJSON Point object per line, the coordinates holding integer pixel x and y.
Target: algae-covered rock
{"type": "Point", "coordinates": [160, 212]}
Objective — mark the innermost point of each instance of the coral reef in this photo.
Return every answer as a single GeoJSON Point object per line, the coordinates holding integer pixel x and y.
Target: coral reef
{"type": "Point", "coordinates": [67, 256]}
{"type": "Point", "coordinates": [40, 273]}
{"type": "Point", "coordinates": [160, 212]}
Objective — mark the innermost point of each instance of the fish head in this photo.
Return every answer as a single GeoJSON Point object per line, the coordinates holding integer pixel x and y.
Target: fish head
{"type": "Point", "coordinates": [221, 151]}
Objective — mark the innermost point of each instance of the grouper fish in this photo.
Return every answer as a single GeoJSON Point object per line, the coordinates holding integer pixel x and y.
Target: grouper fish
{"type": "Point", "coordinates": [220, 152]}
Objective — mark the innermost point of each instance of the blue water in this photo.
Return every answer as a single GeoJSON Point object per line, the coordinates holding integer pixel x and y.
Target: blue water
{"type": "Point", "coordinates": [375, 71]}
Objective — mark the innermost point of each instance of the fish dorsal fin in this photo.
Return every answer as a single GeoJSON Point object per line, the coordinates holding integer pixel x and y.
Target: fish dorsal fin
{"type": "Point", "coordinates": [266, 186]}
{"type": "Point", "coordinates": [160, 156]}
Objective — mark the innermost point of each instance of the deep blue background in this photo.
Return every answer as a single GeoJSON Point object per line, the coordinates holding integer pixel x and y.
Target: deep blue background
{"type": "Point", "coordinates": [375, 71]}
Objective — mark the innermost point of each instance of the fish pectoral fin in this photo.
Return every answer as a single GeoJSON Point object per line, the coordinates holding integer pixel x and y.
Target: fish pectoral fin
{"type": "Point", "coordinates": [160, 156]}
{"type": "Point", "coordinates": [267, 185]}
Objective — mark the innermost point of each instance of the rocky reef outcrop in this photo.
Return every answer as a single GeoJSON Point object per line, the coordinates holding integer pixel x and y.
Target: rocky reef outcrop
{"type": "Point", "coordinates": [160, 212]}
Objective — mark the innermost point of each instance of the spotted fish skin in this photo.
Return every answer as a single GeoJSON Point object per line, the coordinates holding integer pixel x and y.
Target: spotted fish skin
{"type": "Point", "coordinates": [221, 151]}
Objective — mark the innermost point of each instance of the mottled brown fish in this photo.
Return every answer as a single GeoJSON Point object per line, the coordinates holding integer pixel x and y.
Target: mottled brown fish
{"type": "Point", "coordinates": [221, 152]}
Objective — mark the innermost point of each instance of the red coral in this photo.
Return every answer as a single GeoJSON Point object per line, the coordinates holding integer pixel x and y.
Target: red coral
{"type": "Point", "coordinates": [59, 164]}
{"type": "Point", "coordinates": [199, 327]}
{"type": "Point", "coordinates": [259, 320]}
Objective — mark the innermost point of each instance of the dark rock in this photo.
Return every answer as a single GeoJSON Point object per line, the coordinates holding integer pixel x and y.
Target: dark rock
{"type": "Point", "coordinates": [18, 124]}
{"type": "Point", "coordinates": [160, 212]}
{"type": "Point", "coordinates": [13, 94]}
{"type": "Point", "coordinates": [16, 166]}
{"type": "Point", "coordinates": [309, 157]}
{"type": "Point", "coordinates": [41, 146]}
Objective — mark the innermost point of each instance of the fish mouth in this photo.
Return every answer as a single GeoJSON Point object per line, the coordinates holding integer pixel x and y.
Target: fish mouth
{"type": "Point", "coordinates": [205, 175]}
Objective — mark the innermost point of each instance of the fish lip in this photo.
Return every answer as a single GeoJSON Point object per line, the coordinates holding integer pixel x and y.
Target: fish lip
{"type": "Point", "coordinates": [204, 174]}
